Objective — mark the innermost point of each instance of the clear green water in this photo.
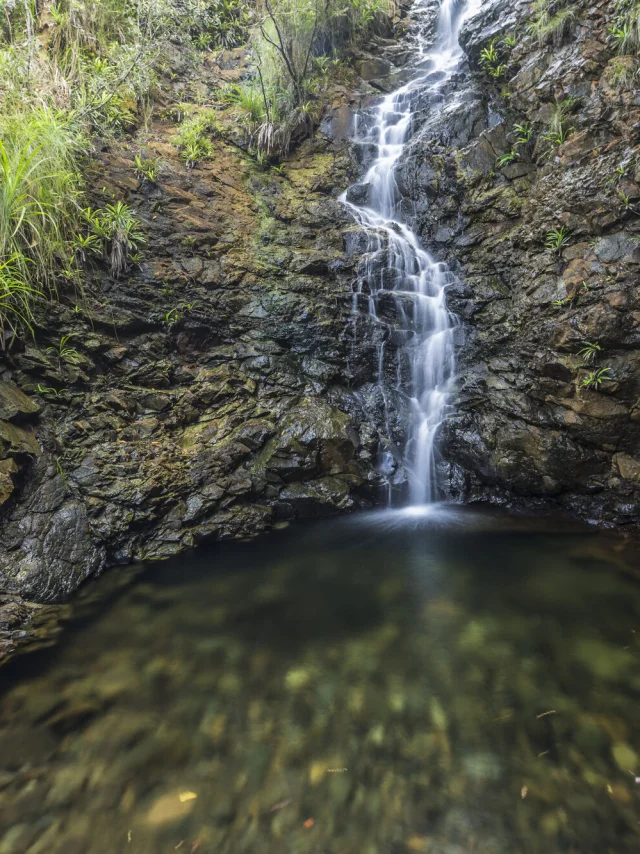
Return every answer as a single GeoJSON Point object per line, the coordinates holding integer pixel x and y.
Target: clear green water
{"type": "Point", "coordinates": [450, 684]}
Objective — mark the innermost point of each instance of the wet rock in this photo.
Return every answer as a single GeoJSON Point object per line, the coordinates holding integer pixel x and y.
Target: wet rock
{"type": "Point", "coordinates": [625, 757]}
{"type": "Point", "coordinates": [168, 809]}
{"type": "Point", "coordinates": [14, 403]}
{"type": "Point", "coordinates": [25, 746]}
{"type": "Point", "coordinates": [373, 67]}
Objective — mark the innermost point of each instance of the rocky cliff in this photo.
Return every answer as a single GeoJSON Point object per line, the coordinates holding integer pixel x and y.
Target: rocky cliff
{"type": "Point", "coordinates": [528, 187]}
{"type": "Point", "coordinates": [214, 391]}
{"type": "Point", "coordinates": [223, 386]}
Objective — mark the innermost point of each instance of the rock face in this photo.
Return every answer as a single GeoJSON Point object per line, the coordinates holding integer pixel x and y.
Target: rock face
{"type": "Point", "coordinates": [221, 385]}
{"type": "Point", "coordinates": [214, 390]}
{"type": "Point", "coordinates": [529, 420]}
{"type": "Point", "coordinates": [213, 398]}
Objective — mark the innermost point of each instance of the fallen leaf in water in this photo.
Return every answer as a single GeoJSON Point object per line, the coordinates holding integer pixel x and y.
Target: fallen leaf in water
{"type": "Point", "coordinates": [179, 845]}
{"type": "Point", "coordinates": [129, 836]}
{"type": "Point", "coordinates": [308, 823]}
{"type": "Point", "coordinates": [280, 805]}
{"type": "Point", "coordinates": [524, 791]}
{"type": "Point", "coordinates": [195, 846]}
{"type": "Point", "coordinates": [183, 797]}
{"type": "Point", "coordinates": [418, 843]}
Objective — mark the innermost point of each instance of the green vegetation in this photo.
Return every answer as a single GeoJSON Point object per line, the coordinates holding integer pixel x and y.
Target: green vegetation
{"type": "Point", "coordinates": [507, 158]}
{"type": "Point", "coordinates": [147, 170]}
{"type": "Point", "coordinates": [524, 133]}
{"type": "Point", "coordinates": [595, 379]}
{"type": "Point", "coordinates": [621, 74]}
{"type": "Point", "coordinates": [221, 23]}
{"type": "Point", "coordinates": [68, 70]}
{"type": "Point", "coordinates": [297, 43]}
{"type": "Point", "coordinates": [193, 138]}
{"type": "Point", "coordinates": [557, 137]}
{"type": "Point", "coordinates": [177, 313]}
{"type": "Point", "coordinates": [490, 60]}
{"type": "Point", "coordinates": [71, 70]}
{"type": "Point", "coordinates": [118, 234]}
{"type": "Point", "coordinates": [589, 351]}
{"type": "Point", "coordinates": [625, 29]}
{"type": "Point", "coordinates": [64, 353]}
{"type": "Point", "coordinates": [39, 191]}
{"type": "Point", "coordinates": [561, 111]}
{"type": "Point", "coordinates": [551, 21]}
{"type": "Point", "coordinates": [557, 239]}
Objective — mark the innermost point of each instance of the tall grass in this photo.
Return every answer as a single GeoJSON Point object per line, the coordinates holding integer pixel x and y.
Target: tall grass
{"type": "Point", "coordinates": [551, 21]}
{"type": "Point", "coordinates": [17, 297]}
{"type": "Point", "coordinates": [40, 189]}
{"type": "Point", "coordinates": [625, 29]}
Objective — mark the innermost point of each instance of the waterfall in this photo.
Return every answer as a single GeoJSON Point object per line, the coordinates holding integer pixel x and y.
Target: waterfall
{"type": "Point", "coordinates": [395, 265]}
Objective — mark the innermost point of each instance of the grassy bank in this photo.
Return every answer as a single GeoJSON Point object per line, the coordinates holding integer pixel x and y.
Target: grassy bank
{"type": "Point", "coordinates": [75, 69]}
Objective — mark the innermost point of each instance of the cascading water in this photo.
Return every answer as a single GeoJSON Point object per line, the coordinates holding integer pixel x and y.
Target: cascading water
{"type": "Point", "coordinates": [396, 265]}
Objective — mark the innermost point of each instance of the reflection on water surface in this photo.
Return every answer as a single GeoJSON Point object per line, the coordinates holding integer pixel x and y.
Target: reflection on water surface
{"type": "Point", "coordinates": [435, 682]}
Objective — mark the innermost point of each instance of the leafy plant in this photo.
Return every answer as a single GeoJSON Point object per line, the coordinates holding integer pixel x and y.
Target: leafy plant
{"type": "Point", "coordinates": [193, 138]}
{"type": "Point", "coordinates": [147, 170]}
{"type": "Point", "coordinates": [63, 352]}
{"type": "Point", "coordinates": [589, 351]}
{"type": "Point", "coordinates": [561, 111]}
{"type": "Point", "coordinates": [490, 60]}
{"type": "Point", "coordinates": [176, 313]}
{"type": "Point", "coordinates": [557, 239]}
{"type": "Point", "coordinates": [120, 234]}
{"type": "Point", "coordinates": [262, 159]}
{"type": "Point", "coordinates": [220, 23]}
{"type": "Point", "coordinates": [249, 101]}
{"type": "Point", "coordinates": [624, 31]}
{"type": "Point", "coordinates": [557, 137]}
{"type": "Point", "coordinates": [524, 133]}
{"type": "Point", "coordinates": [46, 390]}
{"type": "Point", "coordinates": [507, 158]}
{"type": "Point", "coordinates": [85, 245]}
{"type": "Point", "coordinates": [595, 379]}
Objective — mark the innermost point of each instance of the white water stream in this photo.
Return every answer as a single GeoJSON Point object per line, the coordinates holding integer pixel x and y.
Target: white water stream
{"type": "Point", "coordinates": [395, 263]}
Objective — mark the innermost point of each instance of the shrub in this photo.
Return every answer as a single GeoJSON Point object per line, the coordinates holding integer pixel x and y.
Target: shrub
{"type": "Point", "coordinates": [147, 170]}
{"type": "Point", "coordinates": [220, 23]}
{"type": "Point", "coordinates": [119, 232]}
{"type": "Point", "coordinates": [294, 36]}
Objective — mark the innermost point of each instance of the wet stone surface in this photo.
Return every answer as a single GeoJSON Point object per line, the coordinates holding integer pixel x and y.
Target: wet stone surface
{"type": "Point", "coordinates": [446, 684]}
